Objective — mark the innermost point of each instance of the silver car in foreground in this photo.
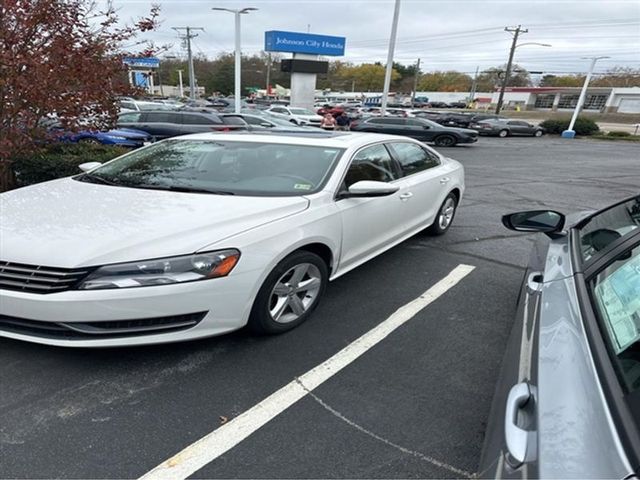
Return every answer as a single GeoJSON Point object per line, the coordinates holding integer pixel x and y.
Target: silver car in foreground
{"type": "Point", "coordinates": [567, 404]}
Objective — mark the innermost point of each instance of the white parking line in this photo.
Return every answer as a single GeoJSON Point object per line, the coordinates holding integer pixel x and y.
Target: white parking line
{"type": "Point", "coordinates": [224, 438]}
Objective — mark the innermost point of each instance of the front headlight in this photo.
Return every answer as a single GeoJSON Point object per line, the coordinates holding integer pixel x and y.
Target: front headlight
{"type": "Point", "coordinates": [163, 271]}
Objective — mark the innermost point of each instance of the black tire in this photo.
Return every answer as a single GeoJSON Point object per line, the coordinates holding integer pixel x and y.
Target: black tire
{"type": "Point", "coordinates": [537, 133]}
{"type": "Point", "coordinates": [503, 133]}
{"type": "Point", "coordinates": [261, 321]}
{"type": "Point", "coordinates": [438, 227]}
{"type": "Point", "coordinates": [445, 141]}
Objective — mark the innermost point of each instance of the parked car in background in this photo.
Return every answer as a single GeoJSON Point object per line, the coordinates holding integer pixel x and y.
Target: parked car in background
{"type": "Point", "coordinates": [124, 137]}
{"type": "Point", "coordinates": [264, 120]}
{"type": "Point", "coordinates": [567, 403]}
{"type": "Point", "coordinates": [297, 115]}
{"type": "Point", "coordinates": [418, 128]}
{"type": "Point", "coordinates": [438, 105]}
{"type": "Point", "coordinates": [202, 235]}
{"type": "Point", "coordinates": [458, 105]}
{"type": "Point", "coordinates": [161, 124]}
{"type": "Point", "coordinates": [506, 128]}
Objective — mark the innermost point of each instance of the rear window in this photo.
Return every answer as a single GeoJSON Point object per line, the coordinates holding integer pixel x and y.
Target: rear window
{"type": "Point", "coordinates": [132, 117]}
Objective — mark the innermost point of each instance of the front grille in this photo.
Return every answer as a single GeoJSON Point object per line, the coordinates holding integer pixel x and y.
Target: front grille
{"type": "Point", "coordinates": [99, 330]}
{"type": "Point", "coordinates": [38, 279]}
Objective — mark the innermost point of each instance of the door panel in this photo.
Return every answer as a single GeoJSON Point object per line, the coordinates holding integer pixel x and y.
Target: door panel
{"type": "Point", "coordinates": [368, 224]}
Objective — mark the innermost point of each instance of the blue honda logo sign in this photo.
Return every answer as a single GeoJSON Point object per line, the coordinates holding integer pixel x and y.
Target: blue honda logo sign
{"type": "Point", "coordinates": [277, 41]}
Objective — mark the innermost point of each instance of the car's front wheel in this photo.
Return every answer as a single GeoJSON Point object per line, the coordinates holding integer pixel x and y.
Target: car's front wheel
{"type": "Point", "coordinates": [445, 215]}
{"type": "Point", "coordinates": [445, 141]}
{"type": "Point", "coordinates": [289, 294]}
{"type": "Point", "coordinates": [537, 133]}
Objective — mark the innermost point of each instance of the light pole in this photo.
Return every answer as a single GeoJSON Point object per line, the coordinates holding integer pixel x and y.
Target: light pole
{"type": "Point", "coordinates": [238, 53]}
{"type": "Point", "coordinates": [570, 132]}
{"type": "Point", "coordinates": [392, 47]}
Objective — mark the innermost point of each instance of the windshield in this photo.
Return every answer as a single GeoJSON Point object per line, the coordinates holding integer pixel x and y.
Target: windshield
{"type": "Point", "coordinates": [301, 111]}
{"type": "Point", "coordinates": [222, 167]}
{"type": "Point", "coordinates": [607, 226]}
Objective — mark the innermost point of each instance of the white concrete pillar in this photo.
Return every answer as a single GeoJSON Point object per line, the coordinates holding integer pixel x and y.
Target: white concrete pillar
{"type": "Point", "coordinates": [303, 85]}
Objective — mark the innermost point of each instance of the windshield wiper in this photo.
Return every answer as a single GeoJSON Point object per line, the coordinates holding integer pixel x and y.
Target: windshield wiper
{"type": "Point", "coordinates": [93, 178]}
{"type": "Point", "coordinates": [177, 188]}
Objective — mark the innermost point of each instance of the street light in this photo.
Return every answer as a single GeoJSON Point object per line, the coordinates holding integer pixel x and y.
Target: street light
{"type": "Point", "coordinates": [238, 53]}
{"type": "Point", "coordinates": [570, 132]}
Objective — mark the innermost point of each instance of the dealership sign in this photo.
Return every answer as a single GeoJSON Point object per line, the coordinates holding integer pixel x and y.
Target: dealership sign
{"type": "Point", "coordinates": [277, 41]}
{"type": "Point", "coordinates": [142, 62]}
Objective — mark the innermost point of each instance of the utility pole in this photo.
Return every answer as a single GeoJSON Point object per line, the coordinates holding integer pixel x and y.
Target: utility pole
{"type": "Point", "coordinates": [415, 84]}
{"type": "Point", "coordinates": [392, 47]}
{"type": "Point", "coordinates": [188, 36]}
{"type": "Point", "coordinates": [516, 32]}
{"type": "Point", "coordinates": [474, 86]}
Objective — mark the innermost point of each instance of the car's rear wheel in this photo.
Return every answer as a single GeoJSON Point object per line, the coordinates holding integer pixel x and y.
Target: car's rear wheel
{"type": "Point", "coordinates": [503, 133]}
{"type": "Point", "coordinates": [445, 141]}
{"type": "Point", "coordinates": [289, 294]}
{"type": "Point", "coordinates": [445, 215]}
{"type": "Point", "coordinates": [537, 133]}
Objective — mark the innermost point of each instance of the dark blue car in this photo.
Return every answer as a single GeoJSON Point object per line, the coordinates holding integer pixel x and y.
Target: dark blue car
{"type": "Point", "coordinates": [125, 137]}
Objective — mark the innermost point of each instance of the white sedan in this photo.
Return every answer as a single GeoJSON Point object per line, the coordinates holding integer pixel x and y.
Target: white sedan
{"type": "Point", "coordinates": [203, 234]}
{"type": "Point", "coordinates": [297, 115]}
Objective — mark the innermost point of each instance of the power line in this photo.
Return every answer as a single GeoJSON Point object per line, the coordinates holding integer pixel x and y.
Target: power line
{"type": "Point", "coordinates": [188, 37]}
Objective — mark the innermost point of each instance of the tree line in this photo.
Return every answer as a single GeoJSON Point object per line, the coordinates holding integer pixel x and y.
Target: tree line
{"type": "Point", "coordinates": [217, 76]}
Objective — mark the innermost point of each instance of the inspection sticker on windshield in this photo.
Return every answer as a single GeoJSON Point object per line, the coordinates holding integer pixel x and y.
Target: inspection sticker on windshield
{"type": "Point", "coordinates": [619, 294]}
{"type": "Point", "coordinates": [302, 186]}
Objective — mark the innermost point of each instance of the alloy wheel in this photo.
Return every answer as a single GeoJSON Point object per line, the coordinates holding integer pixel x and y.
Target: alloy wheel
{"type": "Point", "coordinates": [295, 292]}
{"type": "Point", "coordinates": [446, 213]}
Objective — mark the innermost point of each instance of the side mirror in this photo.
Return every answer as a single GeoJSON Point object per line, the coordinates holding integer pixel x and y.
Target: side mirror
{"type": "Point", "coordinates": [545, 221]}
{"type": "Point", "coordinates": [370, 188]}
{"type": "Point", "coordinates": [85, 167]}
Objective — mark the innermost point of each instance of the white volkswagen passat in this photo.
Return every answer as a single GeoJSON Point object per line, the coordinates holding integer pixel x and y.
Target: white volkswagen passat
{"type": "Point", "coordinates": [203, 234]}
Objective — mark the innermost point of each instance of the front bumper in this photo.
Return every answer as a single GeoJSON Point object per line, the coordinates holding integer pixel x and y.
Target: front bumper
{"type": "Point", "coordinates": [219, 306]}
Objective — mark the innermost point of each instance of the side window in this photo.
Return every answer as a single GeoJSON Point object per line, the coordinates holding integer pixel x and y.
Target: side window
{"type": "Point", "coordinates": [161, 117]}
{"type": "Point", "coordinates": [129, 117]}
{"type": "Point", "coordinates": [371, 163]}
{"type": "Point", "coordinates": [191, 119]}
{"type": "Point", "coordinates": [414, 123]}
{"type": "Point", "coordinates": [616, 294]}
{"type": "Point", "coordinates": [413, 158]}
{"type": "Point", "coordinates": [129, 105]}
{"type": "Point", "coordinates": [254, 120]}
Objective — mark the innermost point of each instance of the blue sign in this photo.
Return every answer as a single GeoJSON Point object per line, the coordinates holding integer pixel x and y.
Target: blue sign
{"type": "Point", "coordinates": [277, 41]}
{"type": "Point", "coordinates": [142, 62]}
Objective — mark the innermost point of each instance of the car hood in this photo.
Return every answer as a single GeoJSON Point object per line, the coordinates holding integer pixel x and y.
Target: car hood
{"type": "Point", "coordinates": [67, 223]}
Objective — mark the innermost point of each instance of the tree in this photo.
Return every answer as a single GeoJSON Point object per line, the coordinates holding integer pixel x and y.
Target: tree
{"type": "Point", "coordinates": [562, 81]}
{"type": "Point", "coordinates": [368, 76]}
{"type": "Point", "coordinates": [491, 79]}
{"type": "Point", "coordinates": [62, 58]}
{"type": "Point", "coordinates": [618, 77]}
{"type": "Point", "coordinates": [450, 81]}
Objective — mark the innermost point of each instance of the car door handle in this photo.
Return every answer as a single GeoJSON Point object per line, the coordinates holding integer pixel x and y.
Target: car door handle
{"type": "Point", "coordinates": [406, 196]}
{"type": "Point", "coordinates": [521, 443]}
{"type": "Point", "coordinates": [444, 180]}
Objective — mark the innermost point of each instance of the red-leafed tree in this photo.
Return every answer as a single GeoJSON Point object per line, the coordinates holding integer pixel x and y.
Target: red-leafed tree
{"type": "Point", "coordinates": [62, 58]}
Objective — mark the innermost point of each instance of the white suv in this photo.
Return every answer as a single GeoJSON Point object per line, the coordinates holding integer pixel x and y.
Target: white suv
{"type": "Point", "coordinates": [297, 115]}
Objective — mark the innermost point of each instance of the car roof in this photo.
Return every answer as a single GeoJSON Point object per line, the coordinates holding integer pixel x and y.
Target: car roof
{"type": "Point", "coordinates": [319, 138]}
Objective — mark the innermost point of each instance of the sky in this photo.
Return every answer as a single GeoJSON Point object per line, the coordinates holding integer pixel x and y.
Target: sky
{"type": "Point", "coordinates": [445, 34]}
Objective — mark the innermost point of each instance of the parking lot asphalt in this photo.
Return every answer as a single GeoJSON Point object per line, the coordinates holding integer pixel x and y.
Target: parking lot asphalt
{"type": "Point", "coordinates": [413, 406]}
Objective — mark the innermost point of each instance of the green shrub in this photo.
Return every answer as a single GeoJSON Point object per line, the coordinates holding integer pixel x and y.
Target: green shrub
{"type": "Point", "coordinates": [60, 160]}
{"type": "Point", "coordinates": [618, 133]}
{"type": "Point", "coordinates": [583, 126]}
